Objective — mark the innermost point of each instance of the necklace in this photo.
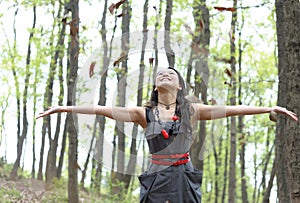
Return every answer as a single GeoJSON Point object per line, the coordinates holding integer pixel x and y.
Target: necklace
{"type": "Point", "coordinates": [164, 133]}
{"type": "Point", "coordinates": [167, 105]}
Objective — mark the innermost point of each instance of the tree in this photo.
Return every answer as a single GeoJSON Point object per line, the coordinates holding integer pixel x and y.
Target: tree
{"type": "Point", "coordinates": [288, 32]}
{"type": "Point", "coordinates": [72, 119]}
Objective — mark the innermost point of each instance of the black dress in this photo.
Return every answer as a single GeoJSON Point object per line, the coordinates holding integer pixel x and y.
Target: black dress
{"type": "Point", "coordinates": [171, 176]}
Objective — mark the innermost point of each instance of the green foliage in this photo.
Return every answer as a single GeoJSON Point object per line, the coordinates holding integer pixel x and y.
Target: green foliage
{"type": "Point", "coordinates": [8, 195]}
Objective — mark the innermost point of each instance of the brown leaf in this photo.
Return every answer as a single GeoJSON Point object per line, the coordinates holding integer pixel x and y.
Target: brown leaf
{"type": "Point", "coordinates": [92, 67]}
{"type": "Point", "coordinates": [219, 8]}
{"type": "Point", "coordinates": [120, 59]}
{"type": "Point", "coordinates": [228, 72]}
{"type": "Point", "coordinates": [73, 28]}
{"type": "Point", "coordinates": [111, 8]}
{"type": "Point", "coordinates": [228, 83]}
{"type": "Point", "coordinates": [151, 61]}
{"type": "Point", "coordinates": [119, 3]}
{"type": "Point", "coordinates": [120, 15]}
{"type": "Point", "coordinates": [201, 26]}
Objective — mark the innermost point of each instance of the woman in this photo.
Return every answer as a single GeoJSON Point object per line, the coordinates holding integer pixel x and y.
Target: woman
{"type": "Point", "coordinates": [167, 120]}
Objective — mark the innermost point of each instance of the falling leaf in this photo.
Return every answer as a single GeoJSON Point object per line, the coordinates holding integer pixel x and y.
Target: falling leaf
{"type": "Point", "coordinates": [119, 3]}
{"type": "Point", "coordinates": [151, 61]}
{"type": "Point", "coordinates": [111, 8]}
{"type": "Point", "coordinates": [120, 15]}
{"type": "Point", "coordinates": [154, 7]}
{"type": "Point", "coordinates": [121, 58]}
{"type": "Point", "coordinates": [228, 83]}
{"type": "Point", "coordinates": [225, 8]}
{"type": "Point", "coordinates": [188, 29]}
{"type": "Point", "coordinates": [92, 67]}
{"type": "Point", "coordinates": [228, 72]}
{"type": "Point", "coordinates": [201, 25]}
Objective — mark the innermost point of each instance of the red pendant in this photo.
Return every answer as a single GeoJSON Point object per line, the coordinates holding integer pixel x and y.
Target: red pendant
{"type": "Point", "coordinates": [174, 118]}
{"type": "Point", "coordinates": [164, 134]}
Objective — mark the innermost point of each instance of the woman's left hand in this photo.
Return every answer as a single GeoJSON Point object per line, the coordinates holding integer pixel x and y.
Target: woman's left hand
{"type": "Point", "coordinates": [281, 110]}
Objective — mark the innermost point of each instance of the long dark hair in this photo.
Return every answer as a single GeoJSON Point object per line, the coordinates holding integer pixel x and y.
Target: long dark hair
{"type": "Point", "coordinates": [183, 107]}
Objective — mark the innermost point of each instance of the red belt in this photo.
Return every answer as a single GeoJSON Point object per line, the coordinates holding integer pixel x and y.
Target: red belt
{"type": "Point", "coordinates": [170, 156]}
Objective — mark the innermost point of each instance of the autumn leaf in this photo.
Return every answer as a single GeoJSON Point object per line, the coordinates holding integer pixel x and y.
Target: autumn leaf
{"type": "Point", "coordinates": [151, 61]}
{"type": "Point", "coordinates": [228, 83]}
{"type": "Point", "coordinates": [111, 8]}
{"type": "Point", "coordinates": [225, 8]}
{"type": "Point", "coordinates": [228, 72]}
{"type": "Point", "coordinates": [119, 3]}
{"type": "Point", "coordinates": [120, 15]}
{"type": "Point", "coordinates": [201, 26]}
{"type": "Point", "coordinates": [121, 58]}
{"type": "Point", "coordinates": [92, 67]}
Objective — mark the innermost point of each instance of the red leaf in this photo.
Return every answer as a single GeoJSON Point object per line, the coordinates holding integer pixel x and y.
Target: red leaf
{"type": "Point", "coordinates": [119, 3]}
{"type": "Point", "coordinates": [228, 72]}
{"type": "Point", "coordinates": [111, 8]}
{"type": "Point", "coordinates": [225, 8]}
{"type": "Point", "coordinates": [201, 24]}
{"type": "Point", "coordinates": [122, 56]}
{"type": "Point", "coordinates": [92, 67]}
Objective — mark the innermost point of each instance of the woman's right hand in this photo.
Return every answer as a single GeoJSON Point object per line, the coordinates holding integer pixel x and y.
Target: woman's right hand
{"type": "Point", "coordinates": [51, 110]}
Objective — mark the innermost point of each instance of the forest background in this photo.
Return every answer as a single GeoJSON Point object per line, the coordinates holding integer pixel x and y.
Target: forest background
{"type": "Point", "coordinates": [229, 52]}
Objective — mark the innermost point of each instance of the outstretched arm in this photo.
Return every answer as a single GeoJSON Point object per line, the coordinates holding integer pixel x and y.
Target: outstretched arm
{"type": "Point", "coordinates": [207, 112]}
{"type": "Point", "coordinates": [134, 114]}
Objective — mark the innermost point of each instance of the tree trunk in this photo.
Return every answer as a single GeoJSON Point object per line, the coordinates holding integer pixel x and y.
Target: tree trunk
{"type": "Point", "coordinates": [291, 11]}
{"type": "Point", "coordinates": [102, 101]}
{"type": "Point", "coordinates": [21, 138]}
{"type": "Point", "coordinates": [233, 146]}
{"type": "Point", "coordinates": [51, 169]}
{"type": "Point", "coordinates": [72, 119]}
{"type": "Point", "coordinates": [201, 16]}
{"type": "Point", "coordinates": [122, 84]}
{"type": "Point", "coordinates": [169, 52]}
{"type": "Point", "coordinates": [130, 171]}
{"type": "Point", "coordinates": [242, 137]}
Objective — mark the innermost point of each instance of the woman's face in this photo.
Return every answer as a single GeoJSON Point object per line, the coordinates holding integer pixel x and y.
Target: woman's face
{"type": "Point", "coordinates": [167, 79]}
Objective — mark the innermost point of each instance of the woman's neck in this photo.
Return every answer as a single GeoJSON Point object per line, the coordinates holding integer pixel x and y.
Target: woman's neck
{"type": "Point", "coordinates": [166, 98]}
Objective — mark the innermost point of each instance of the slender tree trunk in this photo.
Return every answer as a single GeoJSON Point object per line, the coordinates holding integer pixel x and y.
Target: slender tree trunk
{"type": "Point", "coordinates": [201, 17]}
{"type": "Point", "coordinates": [266, 197]}
{"type": "Point", "coordinates": [122, 84]}
{"type": "Point", "coordinates": [102, 101]}
{"type": "Point", "coordinates": [233, 146]}
{"type": "Point", "coordinates": [225, 174]}
{"type": "Point", "coordinates": [242, 138]}
{"type": "Point", "coordinates": [51, 169]}
{"type": "Point", "coordinates": [130, 171]}
{"type": "Point", "coordinates": [21, 139]}
{"type": "Point", "coordinates": [169, 52]}
{"type": "Point", "coordinates": [72, 119]}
